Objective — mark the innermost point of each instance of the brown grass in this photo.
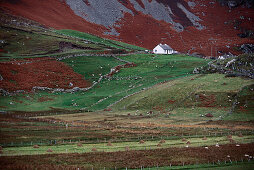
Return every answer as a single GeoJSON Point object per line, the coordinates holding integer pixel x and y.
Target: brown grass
{"type": "Point", "coordinates": [204, 138]}
{"type": "Point", "coordinates": [159, 145]}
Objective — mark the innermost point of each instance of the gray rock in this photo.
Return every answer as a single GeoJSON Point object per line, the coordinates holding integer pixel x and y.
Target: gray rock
{"type": "Point", "coordinates": [247, 48]}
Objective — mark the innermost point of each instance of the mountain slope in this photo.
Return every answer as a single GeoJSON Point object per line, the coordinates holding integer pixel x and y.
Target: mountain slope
{"type": "Point", "coordinates": [197, 26]}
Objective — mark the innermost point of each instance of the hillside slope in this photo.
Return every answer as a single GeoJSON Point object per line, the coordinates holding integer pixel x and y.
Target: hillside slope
{"type": "Point", "coordinates": [196, 26]}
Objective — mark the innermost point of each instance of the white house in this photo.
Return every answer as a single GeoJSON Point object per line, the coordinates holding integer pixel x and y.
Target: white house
{"type": "Point", "coordinates": [163, 49]}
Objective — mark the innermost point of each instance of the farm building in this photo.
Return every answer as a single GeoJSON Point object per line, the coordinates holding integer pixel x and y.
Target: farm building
{"type": "Point", "coordinates": [163, 49]}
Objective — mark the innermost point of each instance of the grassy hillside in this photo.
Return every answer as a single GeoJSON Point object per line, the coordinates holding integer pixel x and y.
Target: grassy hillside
{"type": "Point", "coordinates": [150, 70]}
{"type": "Point", "coordinates": [98, 40]}
{"type": "Point", "coordinates": [190, 97]}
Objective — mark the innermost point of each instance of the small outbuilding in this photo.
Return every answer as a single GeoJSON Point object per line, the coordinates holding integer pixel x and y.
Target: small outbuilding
{"type": "Point", "coordinates": [163, 49]}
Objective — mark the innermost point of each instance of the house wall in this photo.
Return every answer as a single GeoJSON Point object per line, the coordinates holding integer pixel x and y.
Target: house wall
{"type": "Point", "coordinates": [159, 50]}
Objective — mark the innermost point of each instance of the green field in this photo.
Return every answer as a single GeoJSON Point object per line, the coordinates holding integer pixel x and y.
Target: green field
{"type": "Point", "coordinates": [121, 146]}
{"type": "Point", "coordinates": [149, 71]}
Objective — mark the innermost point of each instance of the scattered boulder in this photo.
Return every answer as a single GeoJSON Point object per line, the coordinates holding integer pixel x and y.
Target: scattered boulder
{"type": "Point", "coordinates": [247, 48]}
{"type": "Point", "coordinates": [235, 3]}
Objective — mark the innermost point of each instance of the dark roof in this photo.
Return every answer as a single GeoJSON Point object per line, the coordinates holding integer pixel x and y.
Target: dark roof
{"type": "Point", "coordinates": [165, 47]}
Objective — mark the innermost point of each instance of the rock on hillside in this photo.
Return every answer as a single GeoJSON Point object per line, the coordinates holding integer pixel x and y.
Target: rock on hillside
{"type": "Point", "coordinates": [191, 26]}
{"type": "Point", "coordinates": [242, 65]}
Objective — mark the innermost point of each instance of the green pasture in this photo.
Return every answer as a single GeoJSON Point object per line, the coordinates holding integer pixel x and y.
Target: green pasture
{"type": "Point", "coordinates": [121, 146]}
{"type": "Point", "coordinates": [92, 67]}
{"type": "Point", "coordinates": [98, 40]}
{"type": "Point", "coordinates": [148, 72]}
{"type": "Point", "coordinates": [183, 95]}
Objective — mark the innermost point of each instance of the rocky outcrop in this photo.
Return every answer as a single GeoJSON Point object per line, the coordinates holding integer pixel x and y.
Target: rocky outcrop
{"type": "Point", "coordinates": [247, 48]}
{"type": "Point", "coordinates": [194, 26]}
{"type": "Point", "coordinates": [236, 3]}
{"type": "Point", "coordinates": [236, 66]}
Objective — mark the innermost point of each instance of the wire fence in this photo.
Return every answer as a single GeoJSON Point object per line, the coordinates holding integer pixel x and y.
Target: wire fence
{"type": "Point", "coordinates": [120, 140]}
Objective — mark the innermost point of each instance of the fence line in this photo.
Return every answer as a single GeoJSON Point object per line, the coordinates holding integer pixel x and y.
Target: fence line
{"type": "Point", "coordinates": [120, 140]}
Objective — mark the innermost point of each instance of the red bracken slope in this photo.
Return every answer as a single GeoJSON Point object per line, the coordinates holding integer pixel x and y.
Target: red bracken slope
{"type": "Point", "coordinates": [24, 75]}
{"type": "Point", "coordinates": [51, 13]}
{"type": "Point", "coordinates": [220, 34]}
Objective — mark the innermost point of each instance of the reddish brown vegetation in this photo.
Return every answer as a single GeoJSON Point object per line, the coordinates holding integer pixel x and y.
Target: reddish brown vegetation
{"type": "Point", "coordinates": [52, 13]}
{"type": "Point", "coordinates": [107, 109]}
{"type": "Point", "coordinates": [171, 101]}
{"type": "Point", "coordinates": [44, 99]}
{"type": "Point", "coordinates": [130, 159]}
{"type": "Point", "coordinates": [208, 115]}
{"type": "Point", "coordinates": [207, 100]}
{"type": "Point", "coordinates": [184, 140]}
{"type": "Point", "coordinates": [218, 20]}
{"type": "Point", "coordinates": [119, 67]}
{"type": "Point", "coordinates": [24, 75]}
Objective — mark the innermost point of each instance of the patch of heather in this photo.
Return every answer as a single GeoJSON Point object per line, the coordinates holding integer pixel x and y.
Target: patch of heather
{"type": "Point", "coordinates": [26, 74]}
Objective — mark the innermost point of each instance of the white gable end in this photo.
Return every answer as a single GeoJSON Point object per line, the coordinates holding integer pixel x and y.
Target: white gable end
{"type": "Point", "coordinates": [158, 50]}
{"type": "Point", "coordinates": [163, 49]}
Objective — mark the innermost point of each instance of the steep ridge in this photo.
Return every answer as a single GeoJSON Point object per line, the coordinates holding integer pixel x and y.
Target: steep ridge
{"type": "Point", "coordinates": [198, 26]}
